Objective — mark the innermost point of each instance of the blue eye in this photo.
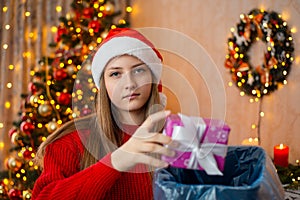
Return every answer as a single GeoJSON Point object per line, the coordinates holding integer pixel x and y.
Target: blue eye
{"type": "Point", "coordinates": [138, 70]}
{"type": "Point", "coordinates": [114, 74]}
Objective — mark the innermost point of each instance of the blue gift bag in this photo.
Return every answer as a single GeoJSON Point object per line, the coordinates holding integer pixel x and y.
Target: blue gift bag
{"type": "Point", "coordinates": [248, 174]}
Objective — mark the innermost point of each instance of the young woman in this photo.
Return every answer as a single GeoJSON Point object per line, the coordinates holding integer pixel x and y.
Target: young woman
{"type": "Point", "coordinates": [110, 154]}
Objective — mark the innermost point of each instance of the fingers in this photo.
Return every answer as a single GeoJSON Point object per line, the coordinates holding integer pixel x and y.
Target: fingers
{"type": "Point", "coordinates": [157, 148]}
{"type": "Point", "coordinates": [156, 117]}
{"type": "Point", "coordinates": [151, 161]}
{"type": "Point", "coordinates": [154, 142]}
{"type": "Point", "coordinates": [152, 137]}
{"type": "Point", "coordinates": [142, 144]}
{"type": "Point", "coordinates": [124, 161]}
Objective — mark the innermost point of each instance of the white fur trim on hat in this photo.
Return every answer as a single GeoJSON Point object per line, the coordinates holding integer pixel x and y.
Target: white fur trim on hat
{"type": "Point", "coordinates": [125, 45]}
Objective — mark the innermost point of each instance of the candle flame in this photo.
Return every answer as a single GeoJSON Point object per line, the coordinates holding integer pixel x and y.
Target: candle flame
{"type": "Point", "coordinates": [281, 146]}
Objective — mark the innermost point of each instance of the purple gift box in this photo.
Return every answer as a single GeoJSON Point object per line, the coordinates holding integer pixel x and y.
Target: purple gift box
{"type": "Point", "coordinates": [202, 143]}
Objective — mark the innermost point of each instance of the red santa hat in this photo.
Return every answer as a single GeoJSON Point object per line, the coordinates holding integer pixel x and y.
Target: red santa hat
{"type": "Point", "coordinates": [125, 41]}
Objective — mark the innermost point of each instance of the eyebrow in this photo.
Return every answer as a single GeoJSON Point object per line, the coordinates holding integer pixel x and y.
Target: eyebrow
{"type": "Point", "coordinates": [138, 64]}
{"type": "Point", "coordinates": [133, 66]}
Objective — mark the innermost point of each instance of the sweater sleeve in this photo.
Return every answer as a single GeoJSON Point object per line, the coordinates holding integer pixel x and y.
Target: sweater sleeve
{"type": "Point", "coordinates": [61, 178]}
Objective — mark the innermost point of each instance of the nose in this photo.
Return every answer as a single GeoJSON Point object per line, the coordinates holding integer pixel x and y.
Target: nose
{"type": "Point", "coordinates": [129, 81]}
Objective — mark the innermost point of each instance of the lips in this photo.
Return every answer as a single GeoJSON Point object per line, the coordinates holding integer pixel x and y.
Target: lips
{"type": "Point", "coordinates": [131, 96]}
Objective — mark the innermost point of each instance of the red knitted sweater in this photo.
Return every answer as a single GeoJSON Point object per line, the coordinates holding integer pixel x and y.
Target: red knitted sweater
{"type": "Point", "coordinates": [63, 179]}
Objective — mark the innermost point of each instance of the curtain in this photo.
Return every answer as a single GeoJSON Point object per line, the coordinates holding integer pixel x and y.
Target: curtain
{"type": "Point", "coordinates": [25, 35]}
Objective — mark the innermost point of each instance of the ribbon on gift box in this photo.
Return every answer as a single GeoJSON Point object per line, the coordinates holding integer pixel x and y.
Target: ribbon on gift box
{"type": "Point", "coordinates": [189, 138]}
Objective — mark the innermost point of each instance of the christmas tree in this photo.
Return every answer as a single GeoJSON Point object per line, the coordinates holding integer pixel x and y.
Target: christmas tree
{"type": "Point", "coordinates": [55, 93]}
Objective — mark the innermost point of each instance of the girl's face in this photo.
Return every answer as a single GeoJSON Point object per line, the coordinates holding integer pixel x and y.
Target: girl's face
{"type": "Point", "coordinates": [128, 82]}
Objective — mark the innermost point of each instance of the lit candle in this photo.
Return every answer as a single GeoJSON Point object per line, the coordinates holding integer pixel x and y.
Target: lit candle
{"type": "Point", "coordinates": [281, 155]}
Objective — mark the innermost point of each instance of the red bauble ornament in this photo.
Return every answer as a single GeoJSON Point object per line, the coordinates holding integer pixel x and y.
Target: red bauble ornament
{"type": "Point", "coordinates": [88, 13]}
{"type": "Point", "coordinates": [95, 25]}
{"type": "Point", "coordinates": [32, 88]}
{"type": "Point", "coordinates": [27, 127]}
{"type": "Point", "coordinates": [60, 74]}
{"type": "Point", "coordinates": [61, 30]}
{"type": "Point", "coordinates": [24, 117]}
{"type": "Point", "coordinates": [64, 98]}
{"type": "Point", "coordinates": [12, 131]}
{"type": "Point", "coordinates": [26, 154]}
{"type": "Point", "coordinates": [59, 33]}
{"type": "Point", "coordinates": [77, 15]}
{"type": "Point", "coordinates": [15, 194]}
{"type": "Point", "coordinates": [58, 54]}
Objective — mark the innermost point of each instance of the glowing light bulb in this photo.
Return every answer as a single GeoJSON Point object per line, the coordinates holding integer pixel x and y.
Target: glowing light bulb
{"type": "Point", "coordinates": [7, 104]}
{"type": "Point", "coordinates": [58, 8]}
{"type": "Point", "coordinates": [9, 85]}
{"type": "Point", "coordinates": [11, 67]}
{"type": "Point", "coordinates": [5, 46]}
{"type": "Point", "coordinates": [262, 114]}
{"type": "Point", "coordinates": [27, 14]}
{"type": "Point", "coordinates": [284, 73]}
{"type": "Point", "coordinates": [4, 9]}
{"type": "Point", "coordinates": [96, 5]}
{"type": "Point", "coordinates": [294, 30]}
{"type": "Point", "coordinates": [129, 9]}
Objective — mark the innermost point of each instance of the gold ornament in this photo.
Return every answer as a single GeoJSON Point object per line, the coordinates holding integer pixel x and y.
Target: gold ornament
{"type": "Point", "coordinates": [71, 69]}
{"type": "Point", "coordinates": [45, 109]}
{"type": "Point", "coordinates": [104, 34]}
{"type": "Point", "coordinates": [14, 138]}
{"type": "Point", "coordinates": [70, 15]}
{"type": "Point", "coordinates": [109, 8]}
{"type": "Point", "coordinates": [14, 164]}
{"type": "Point", "coordinates": [3, 191]}
{"type": "Point", "coordinates": [26, 195]}
{"type": "Point", "coordinates": [52, 126]}
{"type": "Point", "coordinates": [34, 99]}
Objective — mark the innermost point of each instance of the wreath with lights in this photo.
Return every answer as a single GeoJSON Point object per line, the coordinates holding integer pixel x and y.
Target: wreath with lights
{"type": "Point", "coordinates": [270, 28]}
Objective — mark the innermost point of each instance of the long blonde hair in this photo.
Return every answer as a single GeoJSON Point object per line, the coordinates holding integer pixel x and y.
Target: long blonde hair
{"type": "Point", "coordinates": [105, 135]}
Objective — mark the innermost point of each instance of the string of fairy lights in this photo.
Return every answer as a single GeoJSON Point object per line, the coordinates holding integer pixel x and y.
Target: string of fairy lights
{"type": "Point", "coordinates": [45, 104]}
{"type": "Point", "coordinates": [27, 54]}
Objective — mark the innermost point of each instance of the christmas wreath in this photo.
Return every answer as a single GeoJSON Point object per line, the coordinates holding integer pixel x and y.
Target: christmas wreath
{"type": "Point", "coordinates": [270, 28]}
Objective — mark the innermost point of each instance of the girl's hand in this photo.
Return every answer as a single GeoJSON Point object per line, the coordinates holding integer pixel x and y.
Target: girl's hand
{"type": "Point", "coordinates": [143, 142]}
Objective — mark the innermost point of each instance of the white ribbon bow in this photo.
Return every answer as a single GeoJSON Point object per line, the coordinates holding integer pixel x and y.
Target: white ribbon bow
{"type": "Point", "coordinates": [189, 136]}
